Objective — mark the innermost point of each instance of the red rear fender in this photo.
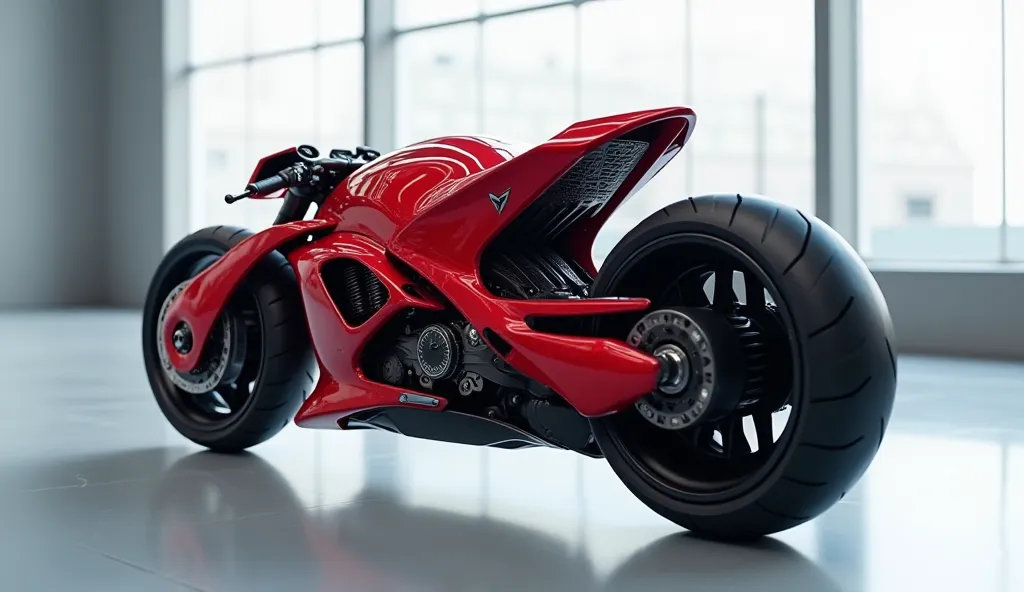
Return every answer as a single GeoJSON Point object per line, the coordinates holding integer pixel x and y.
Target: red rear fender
{"type": "Point", "coordinates": [461, 219]}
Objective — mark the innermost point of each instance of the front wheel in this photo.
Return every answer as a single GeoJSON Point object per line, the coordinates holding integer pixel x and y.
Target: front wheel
{"type": "Point", "coordinates": [258, 363]}
{"type": "Point", "coordinates": [778, 372]}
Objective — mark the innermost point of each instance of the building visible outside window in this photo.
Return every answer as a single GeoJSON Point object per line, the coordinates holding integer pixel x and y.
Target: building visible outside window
{"type": "Point", "coordinates": [920, 208]}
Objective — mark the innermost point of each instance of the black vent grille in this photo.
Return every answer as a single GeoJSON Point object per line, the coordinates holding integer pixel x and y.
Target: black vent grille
{"type": "Point", "coordinates": [525, 261]}
{"type": "Point", "coordinates": [582, 191]}
{"type": "Point", "coordinates": [534, 272]}
{"type": "Point", "coordinates": [355, 290]}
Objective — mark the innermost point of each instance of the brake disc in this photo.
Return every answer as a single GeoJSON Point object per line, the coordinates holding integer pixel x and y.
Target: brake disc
{"type": "Point", "coordinates": [222, 357]}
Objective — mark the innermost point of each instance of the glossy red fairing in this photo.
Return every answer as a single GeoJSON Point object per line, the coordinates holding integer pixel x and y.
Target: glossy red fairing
{"type": "Point", "coordinates": [203, 298]}
{"type": "Point", "coordinates": [428, 206]}
{"type": "Point", "coordinates": [343, 388]}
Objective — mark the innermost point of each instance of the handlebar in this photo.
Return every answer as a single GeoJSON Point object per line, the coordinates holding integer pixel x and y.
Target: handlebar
{"type": "Point", "coordinates": [268, 185]}
{"type": "Point", "coordinates": [299, 174]}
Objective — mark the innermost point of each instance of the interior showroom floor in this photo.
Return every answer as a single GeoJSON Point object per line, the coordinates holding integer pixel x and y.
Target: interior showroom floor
{"type": "Point", "coordinates": [97, 493]}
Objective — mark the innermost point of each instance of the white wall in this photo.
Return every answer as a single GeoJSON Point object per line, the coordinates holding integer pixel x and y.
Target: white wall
{"type": "Point", "coordinates": [81, 122]}
{"type": "Point", "coordinates": [52, 150]}
{"type": "Point", "coordinates": [976, 313]}
{"type": "Point", "coordinates": [135, 179]}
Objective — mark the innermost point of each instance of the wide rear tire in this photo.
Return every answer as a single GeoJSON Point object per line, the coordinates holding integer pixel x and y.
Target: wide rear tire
{"type": "Point", "coordinates": [835, 331]}
{"type": "Point", "coordinates": [279, 366]}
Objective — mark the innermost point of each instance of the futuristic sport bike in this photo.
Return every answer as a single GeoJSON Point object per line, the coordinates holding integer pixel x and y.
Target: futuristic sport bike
{"type": "Point", "coordinates": [732, 359]}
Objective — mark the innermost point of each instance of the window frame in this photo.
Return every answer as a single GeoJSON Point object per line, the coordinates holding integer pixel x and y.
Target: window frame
{"type": "Point", "coordinates": [180, 206]}
{"type": "Point", "coordinates": [919, 294]}
{"type": "Point", "coordinates": [836, 109]}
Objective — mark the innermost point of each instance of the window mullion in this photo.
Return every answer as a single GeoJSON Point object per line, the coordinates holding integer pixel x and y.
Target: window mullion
{"type": "Point", "coordinates": [379, 72]}
{"type": "Point", "coordinates": [836, 114]}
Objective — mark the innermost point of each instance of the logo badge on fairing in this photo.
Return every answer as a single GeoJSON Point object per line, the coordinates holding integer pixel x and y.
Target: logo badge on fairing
{"type": "Point", "coordinates": [499, 201]}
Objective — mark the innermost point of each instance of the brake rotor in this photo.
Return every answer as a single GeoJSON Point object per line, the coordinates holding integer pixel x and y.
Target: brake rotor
{"type": "Point", "coordinates": [702, 369]}
{"type": "Point", "coordinates": [223, 356]}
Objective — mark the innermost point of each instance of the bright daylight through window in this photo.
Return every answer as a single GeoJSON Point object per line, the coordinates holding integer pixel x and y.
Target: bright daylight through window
{"type": "Point", "coordinates": [932, 129]}
{"type": "Point", "coordinates": [754, 100]}
{"type": "Point", "coordinates": [264, 79]}
{"type": "Point", "coordinates": [931, 126]}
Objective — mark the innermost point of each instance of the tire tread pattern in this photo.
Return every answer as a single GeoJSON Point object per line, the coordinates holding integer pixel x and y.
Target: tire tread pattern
{"type": "Point", "coordinates": [833, 322]}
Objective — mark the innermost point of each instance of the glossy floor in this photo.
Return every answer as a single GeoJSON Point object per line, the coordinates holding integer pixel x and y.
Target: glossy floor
{"type": "Point", "coordinates": [98, 494]}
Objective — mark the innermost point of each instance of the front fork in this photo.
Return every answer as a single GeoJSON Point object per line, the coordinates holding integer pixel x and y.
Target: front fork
{"type": "Point", "coordinates": [296, 205]}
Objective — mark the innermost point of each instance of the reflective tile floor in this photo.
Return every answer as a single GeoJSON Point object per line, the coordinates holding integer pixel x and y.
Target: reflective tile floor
{"type": "Point", "coordinates": [96, 493]}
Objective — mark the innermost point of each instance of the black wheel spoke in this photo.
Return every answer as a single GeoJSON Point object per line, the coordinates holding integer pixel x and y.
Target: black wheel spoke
{"type": "Point", "coordinates": [734, 442]}
{"type": "Point", "coordinates": [693, 295]}
{"type": "Point", "coordinates": [677, 293]}
{"type": "Point", "coordinates": [763, 427]}
{"type": "Point", "coordinates": [689, 289]}
{"type": "Point", "coordinates": [725, 298]}
{"type": "Point", "coordinates": [701, 437]}
{"type": "Point", "coordinates": [754, 291]}
{"type": "Point", "coordinates": [207, 403]}
{"type": "Point", "coordinates": [235, 395]}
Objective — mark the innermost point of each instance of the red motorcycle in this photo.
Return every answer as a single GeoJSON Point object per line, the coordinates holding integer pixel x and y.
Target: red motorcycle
{"type": "Point", "coordinates": [732, 359]}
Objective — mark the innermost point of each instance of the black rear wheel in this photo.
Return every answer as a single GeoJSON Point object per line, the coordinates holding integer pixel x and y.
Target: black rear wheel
{"type": "Point", "coordinates": [257, 365]}
{"type": "Point", "coordinates": [779, 376]}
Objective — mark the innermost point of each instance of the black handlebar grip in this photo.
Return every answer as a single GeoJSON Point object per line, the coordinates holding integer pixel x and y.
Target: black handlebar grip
{"type": "Point", "coordinates": [268, 185]}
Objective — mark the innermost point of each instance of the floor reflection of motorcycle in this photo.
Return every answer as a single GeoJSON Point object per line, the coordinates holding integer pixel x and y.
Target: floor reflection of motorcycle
{"type": "Point", "coordinates": [731, 359]}
{"type": "Point", "coordinates": [201, 535]}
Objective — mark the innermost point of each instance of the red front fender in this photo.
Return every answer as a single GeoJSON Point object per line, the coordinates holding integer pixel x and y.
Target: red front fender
{"type": "Point", "coordinates": [202, 300]}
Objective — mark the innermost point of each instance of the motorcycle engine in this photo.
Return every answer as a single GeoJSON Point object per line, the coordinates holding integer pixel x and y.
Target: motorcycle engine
{"type": "Point", "coordinates": [449, 358]}
{"type": "Point", "coordinates": [437, 349]}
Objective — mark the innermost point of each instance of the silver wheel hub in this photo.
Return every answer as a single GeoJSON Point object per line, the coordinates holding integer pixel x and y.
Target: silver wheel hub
{"type": "Point", "coordinates": [675, 369]}
{"type": "Point", "coordinates": [182, 339]}
{"type": "Point", "coordinates": [211, 368]}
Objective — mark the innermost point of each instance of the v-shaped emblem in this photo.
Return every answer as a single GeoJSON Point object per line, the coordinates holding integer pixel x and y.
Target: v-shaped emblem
{"type": "Point", "coordinates": [499, 201]}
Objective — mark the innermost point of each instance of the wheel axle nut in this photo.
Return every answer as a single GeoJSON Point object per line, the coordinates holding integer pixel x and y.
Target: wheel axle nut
{"type": "Point", "coordinates": [181, 339]}
{"type": "Point", "coordinates": [675, 369]}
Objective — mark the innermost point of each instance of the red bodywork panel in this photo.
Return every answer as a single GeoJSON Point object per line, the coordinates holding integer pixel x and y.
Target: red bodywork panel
{"type": "Point", "coordinates": [428, 205]}
{"type": "Point", "coordinates": [201, 301]}
{"type": "Point", "coordinates": [343, 388]}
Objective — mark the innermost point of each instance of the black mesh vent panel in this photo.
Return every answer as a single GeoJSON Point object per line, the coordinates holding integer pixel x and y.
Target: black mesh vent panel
{"type": "Point", "coordinates": [582, 191]}
{"type": "Point", "coordinates": [534, 272]}
{"type": "Point", "coordinates": [524, 261]}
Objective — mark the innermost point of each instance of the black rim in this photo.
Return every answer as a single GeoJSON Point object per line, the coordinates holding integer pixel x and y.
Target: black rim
{"type": "Point", "coordinates": [226, 402]}
{"type": "Point", "coordinates": [727, 456]}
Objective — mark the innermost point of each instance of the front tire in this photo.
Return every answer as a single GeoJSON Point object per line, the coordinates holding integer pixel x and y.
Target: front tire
{"type": "Point", "coordinates": [837, 377]}
{"type": "Point", "coordinates": [276, 365]}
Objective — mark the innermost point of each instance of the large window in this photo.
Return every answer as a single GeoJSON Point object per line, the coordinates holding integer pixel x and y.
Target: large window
{"type": "Point", "coordinates": [932, 152]}
{"type": "Point", "coordinates": [266, 75]}
{"type": "Point", "coordinates": [937, 149]}
{"type": "Point", "coordinates": [523, 70]}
